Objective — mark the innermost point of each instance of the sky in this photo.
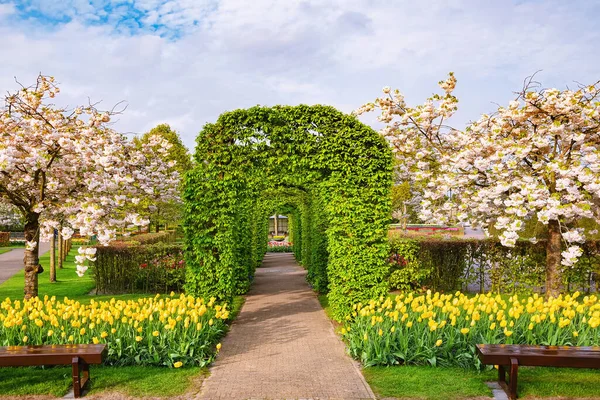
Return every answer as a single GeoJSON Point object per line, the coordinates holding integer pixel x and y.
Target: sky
{"type": "Point", "coordinates": [184, 62]}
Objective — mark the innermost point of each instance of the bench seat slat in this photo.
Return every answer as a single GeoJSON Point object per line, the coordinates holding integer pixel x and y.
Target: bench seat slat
{"type": "Point", "coordinates": [540, 356]}
{"type": "Point", "coordinates": [51, 355]}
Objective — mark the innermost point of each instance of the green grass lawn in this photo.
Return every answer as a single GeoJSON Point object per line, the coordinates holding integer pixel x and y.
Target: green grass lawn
{"type": "Point", "coordinates": [6, 249]}
{"type": "Point", "coordinates": [415, 382]}
{"type": "Point", "coordinates": [68, 283]}
{"type": "Point", "coordinates": [133, 381]}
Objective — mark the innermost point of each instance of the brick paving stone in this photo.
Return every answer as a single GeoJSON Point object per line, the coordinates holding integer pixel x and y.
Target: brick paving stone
{"type": "Point", "coordinates": [282, 345]}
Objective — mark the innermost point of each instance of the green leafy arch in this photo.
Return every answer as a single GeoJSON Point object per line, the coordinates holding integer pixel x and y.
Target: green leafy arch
{"type": "Point", "coordinates": [330, 172]}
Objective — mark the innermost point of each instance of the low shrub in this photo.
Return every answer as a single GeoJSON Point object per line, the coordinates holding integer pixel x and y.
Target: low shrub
{"type": "Point", "coordinates": [443, 329]}
{"type": "Point", "coordinates": [4, 239]}
{"type": "Point", "coordinates": [122, 268]}
{"type": "Point", "coordinates": [168, 331]}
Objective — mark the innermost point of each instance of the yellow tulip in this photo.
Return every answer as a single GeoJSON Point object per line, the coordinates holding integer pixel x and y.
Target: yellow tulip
{"type": "Point", "coordinates": [138, 338]}
{"type": "Point", "coordinates": [438, 343]}
{"type": "Point", "coordinates": [177, 364]}
{"type": "Point", "coordinates": [464, 331]}
{"type": "Point", "coordinates": [218, 346]}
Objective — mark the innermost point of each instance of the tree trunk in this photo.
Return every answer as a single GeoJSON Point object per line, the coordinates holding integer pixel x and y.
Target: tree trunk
{"type": "Point", "coordinates": [65, 249]}
{"type": "Point", "coordinates": [157, 227]}
{"type": "Point", "coordinates": [61, 250]}
{"type": "Point", "coordinates": [52, 258]}
{"type": "Point", "coordinates": [553, 257]}
{"type": "Point", "coordinates": [31, 259]}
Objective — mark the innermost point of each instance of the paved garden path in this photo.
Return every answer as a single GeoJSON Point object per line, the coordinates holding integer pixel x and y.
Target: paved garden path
{"type": "Point", "coordinates": [282, 345]}
{"type": "Point", "coordinates": [12, 262]}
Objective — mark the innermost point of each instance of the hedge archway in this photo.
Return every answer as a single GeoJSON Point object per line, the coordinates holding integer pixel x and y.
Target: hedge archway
{"type": "Point", "coordinates": [331, 174]}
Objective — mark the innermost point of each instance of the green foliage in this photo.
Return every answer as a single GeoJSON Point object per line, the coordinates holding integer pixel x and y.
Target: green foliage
{"type": "Point", "coordinates": [325, 170]}
{"type": "Point", "coordinates": [178, 152]}
{"type": "Point", "coordinates": [155, 268]}
{"type": "Point", "coordinates": [167, 212]}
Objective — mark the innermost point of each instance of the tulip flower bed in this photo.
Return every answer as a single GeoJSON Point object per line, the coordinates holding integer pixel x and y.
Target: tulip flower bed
{"type": "Point", "coordinates": [443, 329]}
{"type": "Point", "coordinates": [160, 331]}
{"type": "Point", "coordinates": [274, 246]}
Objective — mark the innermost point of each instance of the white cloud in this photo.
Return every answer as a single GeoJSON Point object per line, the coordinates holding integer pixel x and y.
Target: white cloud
{"type": "Point", "coordinates": [6, 9]}
{"type": "Point", "coordinates": [340, 52]}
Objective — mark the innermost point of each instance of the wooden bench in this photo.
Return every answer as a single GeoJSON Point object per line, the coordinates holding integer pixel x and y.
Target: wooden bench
{"type": "Point", "coordinates": [507, 355]}
{"type": "Point", "coordinates": [80, 356]}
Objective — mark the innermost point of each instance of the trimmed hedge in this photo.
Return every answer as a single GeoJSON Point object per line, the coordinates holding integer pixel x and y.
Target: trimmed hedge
{"type": "Point", "coordinates": [329, 170]}
{"type": "Point", "coordinates": [151, 238]}
{"type": "Point", "coordinates": [156, 268]}
{"type": "Point", "coordinates": [482, 265]}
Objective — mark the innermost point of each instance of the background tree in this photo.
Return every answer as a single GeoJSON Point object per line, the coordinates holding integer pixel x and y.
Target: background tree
{"type": "Point", "coordinates": [10, 218]}
{"type": "Point", "coordinates": [67, 169]}
{"type": "Point", "coordinates": [539, 157]}
{"type": "Point", "coordinates": [162, 209]}
{"type": "Point", "coordinates": [401, 203]}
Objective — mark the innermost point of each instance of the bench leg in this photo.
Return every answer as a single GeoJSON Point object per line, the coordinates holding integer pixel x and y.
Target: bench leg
{"type": "Point", "coordinates": [501, 374]}
{"type": "Point", "coordinates": [76, 377]}
{"type": "Point", "coordinates": [514, 371]}
{"type": "Point", "coordinates": [81, 374]}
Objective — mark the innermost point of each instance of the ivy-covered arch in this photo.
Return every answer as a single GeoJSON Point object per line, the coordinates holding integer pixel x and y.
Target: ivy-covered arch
{"type": "Point", "coordinates": [332, 174]}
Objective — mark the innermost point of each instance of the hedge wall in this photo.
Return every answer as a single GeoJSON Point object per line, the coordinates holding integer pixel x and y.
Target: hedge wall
{"type": "Point", "coordinates": [329, 171]}
{"type": "Point", "coordinates": [483, 265]}
{"type": "Point", "coordinates": [155, 268]}
{"type": "Point", "coordinates": [150, 238]}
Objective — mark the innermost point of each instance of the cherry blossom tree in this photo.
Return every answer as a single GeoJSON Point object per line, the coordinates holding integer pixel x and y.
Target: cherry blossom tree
{"type": "Point", "coordinates": [9, 215]}
{"type": "Point", "coordinates": [176, 158]}
{"type": "Point", "coordinates": [537, 158]}
{"type": "Point", "coordinates": [68, 170]}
